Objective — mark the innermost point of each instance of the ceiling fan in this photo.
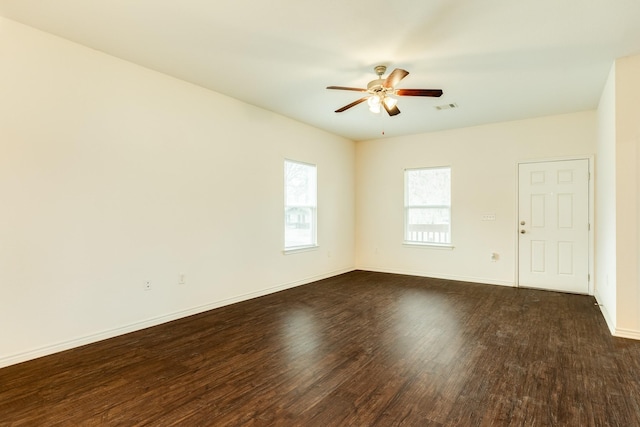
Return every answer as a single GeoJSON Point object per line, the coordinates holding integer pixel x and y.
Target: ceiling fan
{"type": "Point", "coordinates": [380, 91]}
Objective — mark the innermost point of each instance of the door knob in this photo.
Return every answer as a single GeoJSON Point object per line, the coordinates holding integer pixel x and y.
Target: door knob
{"type": "Point", "coordinates": [522, 223]}
{"type": "Point", "coordinates": [522, 231]}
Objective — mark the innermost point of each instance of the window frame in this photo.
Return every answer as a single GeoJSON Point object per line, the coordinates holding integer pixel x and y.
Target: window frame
{"type": "Point", "coordinates": [407, 208]}
{"type": "Point", "coordinates": [314, 211]}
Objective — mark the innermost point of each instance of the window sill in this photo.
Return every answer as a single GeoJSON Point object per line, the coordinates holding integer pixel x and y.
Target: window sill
{"type": "Point", "coordinates": [299, 249]}
{"type": "Point", "coordinates": [440, 246]}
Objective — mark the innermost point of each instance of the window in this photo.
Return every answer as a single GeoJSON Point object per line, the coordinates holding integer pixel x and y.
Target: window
{"type": "Point", "coordinates": [427, 206]}
{"type": "Point", "coordinates": [300, 205]}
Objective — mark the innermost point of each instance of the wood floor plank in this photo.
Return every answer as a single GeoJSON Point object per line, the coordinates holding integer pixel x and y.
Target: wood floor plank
{"type": "Point", "coordinates": [362, 348]}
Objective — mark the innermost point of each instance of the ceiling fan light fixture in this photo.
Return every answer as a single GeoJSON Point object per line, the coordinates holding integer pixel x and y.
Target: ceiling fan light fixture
{"type": "Point", "coordinates": [374, 103]}
{"type": "Point", "coordinates": [390, 102]}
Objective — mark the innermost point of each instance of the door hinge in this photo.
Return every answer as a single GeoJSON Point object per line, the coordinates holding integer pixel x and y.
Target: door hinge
{"type": "Point", "coordinates": [588, 277]}
{"type": "Point", "coordinates": [589, 226]}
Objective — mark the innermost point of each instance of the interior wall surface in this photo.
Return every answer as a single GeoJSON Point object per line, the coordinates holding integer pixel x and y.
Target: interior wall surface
{"type": "Point", "coordinates": [113, 175]}
{"type": "Point", "coordinates": [627, 93]}
{"type": "Point", "coordinates": [483, 163]}
{"type": "Point", "coordinates": [605, 180]}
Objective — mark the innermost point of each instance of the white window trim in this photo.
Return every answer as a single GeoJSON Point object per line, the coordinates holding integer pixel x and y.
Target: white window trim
{"type": "Point", "coordinates": [300, 249]}
{"type": "Point", "coordinates": [430, 245]}
{"type": "Point", "coordinates": [311, 247]}
{"type": "Point", "coordinates": [419, 245]}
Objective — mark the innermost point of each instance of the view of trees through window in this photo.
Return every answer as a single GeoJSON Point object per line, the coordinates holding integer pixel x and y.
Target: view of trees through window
{"type": "Point", "coordinates": [300, 204]}
{"type": "Point", "coordinates": [428, 205]}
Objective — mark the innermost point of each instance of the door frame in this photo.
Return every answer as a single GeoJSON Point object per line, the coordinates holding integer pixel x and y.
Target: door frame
{"type": "Point", "coordinates": [516, 228]}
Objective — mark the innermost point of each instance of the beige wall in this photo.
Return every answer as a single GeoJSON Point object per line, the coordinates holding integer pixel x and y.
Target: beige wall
{"type": "Point", "coordinates": [605, 181]}
{"type": "Point", "coordinates": [484, 165]}
{"type": "Point", "coordinates": [112, 174]}
{"type": "Point", "coordinates": [617, 213]}
{"type": "Point", "coordinates": [627, 94]}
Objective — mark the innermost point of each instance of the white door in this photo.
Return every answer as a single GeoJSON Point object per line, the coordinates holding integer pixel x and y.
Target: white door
{"type": "Point", "coordinates": [554, 225]}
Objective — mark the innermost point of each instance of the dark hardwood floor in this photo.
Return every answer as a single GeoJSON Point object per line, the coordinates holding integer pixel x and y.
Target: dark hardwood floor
{"type": "Point", "coordinates": [360, 349]}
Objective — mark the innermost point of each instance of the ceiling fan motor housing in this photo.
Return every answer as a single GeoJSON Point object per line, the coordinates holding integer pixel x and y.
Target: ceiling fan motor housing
{"type": "Point", "coordinates": [376, 86]}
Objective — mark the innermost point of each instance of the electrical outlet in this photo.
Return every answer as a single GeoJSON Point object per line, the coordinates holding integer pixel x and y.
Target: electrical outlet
{"type": "Point", "coordinates": [147, 285]}
{"type": "Point", "coordinates": [489, 217]}
{"type": "Point", "coordinates": [182, 279]}
{"type": "Point", "coordinates": [495, 257]}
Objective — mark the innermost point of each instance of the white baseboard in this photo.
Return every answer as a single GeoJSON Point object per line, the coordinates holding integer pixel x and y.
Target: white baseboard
{"type": "Point", "coordinates": [626, 333]}
{"type": "Point", "coordinates": [480, 280]}
{"type": "Point", "coordinates": [610, 321]}
{"type": "Point", "coordinates": [617, 332]}
{"type": "Point", "coordinates": [111, 333]}
{"type": "Point", "coordinates": [89, 339]}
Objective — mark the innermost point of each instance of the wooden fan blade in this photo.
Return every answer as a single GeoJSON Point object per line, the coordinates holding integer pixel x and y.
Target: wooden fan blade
{"type": "Point", "coordinates": [394, 78]}
{"type": "Point", "coordinates": [346, 88]}
{"type": "Point", "coordinates": [353, 104]}
{"type": "Point", "coordinates": [392, 111]}
{"type": "Point", "coordinates": [419, 92]}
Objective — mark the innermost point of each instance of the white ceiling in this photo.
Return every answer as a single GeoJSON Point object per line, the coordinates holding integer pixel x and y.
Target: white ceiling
{"type": "Point", "coordinates": [499, 60]}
